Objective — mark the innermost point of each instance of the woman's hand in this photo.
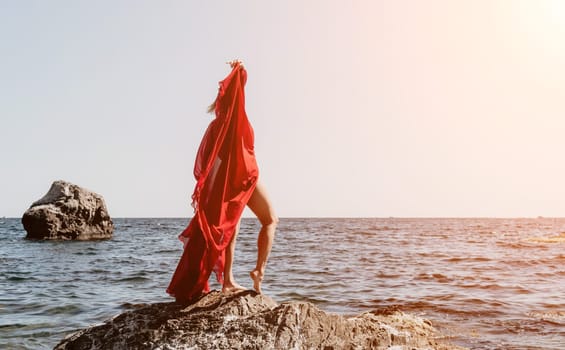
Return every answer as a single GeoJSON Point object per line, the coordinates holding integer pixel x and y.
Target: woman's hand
{"type": "Point", "coordinates": [235, 63]}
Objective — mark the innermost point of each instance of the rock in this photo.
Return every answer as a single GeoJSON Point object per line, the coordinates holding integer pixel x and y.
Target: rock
{"type": "Point", "coordinates": [68, 212]}
{"type": "Point", "coordinates": [247, 320]}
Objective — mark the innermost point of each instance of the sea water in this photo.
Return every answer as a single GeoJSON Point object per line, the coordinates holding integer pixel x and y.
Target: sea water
{"type": "Point", "coordinates": [484, 283]}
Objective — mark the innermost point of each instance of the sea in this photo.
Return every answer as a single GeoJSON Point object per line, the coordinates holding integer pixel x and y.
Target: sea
{"type": "Point", "coordinates": [484, 283]}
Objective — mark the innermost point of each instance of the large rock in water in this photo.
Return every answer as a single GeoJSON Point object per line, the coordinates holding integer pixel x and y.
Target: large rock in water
{"type": "Point", "coordinates": [251, 321]}
{"type": "Point", "coordinates": [67, 212]}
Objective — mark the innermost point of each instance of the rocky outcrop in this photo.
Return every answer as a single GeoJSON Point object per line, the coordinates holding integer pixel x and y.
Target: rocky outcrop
{"type": "Point", "coordinates": [68, 212]}
{"type": "Point", "coordinates": [251, 321]}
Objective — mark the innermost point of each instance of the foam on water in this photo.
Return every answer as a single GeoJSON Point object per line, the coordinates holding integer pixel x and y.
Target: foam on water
{"type": "Point", "coordinates": [486, 283]}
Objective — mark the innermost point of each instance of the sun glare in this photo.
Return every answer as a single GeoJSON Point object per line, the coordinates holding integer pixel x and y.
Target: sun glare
{"type": "Point", "coordinates": [544, 22]}
{"type": "Point", "coordinates": [555, 12]}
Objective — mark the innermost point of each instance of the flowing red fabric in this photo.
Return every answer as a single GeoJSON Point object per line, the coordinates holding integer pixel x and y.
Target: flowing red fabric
{"type": "Point", "coordinates": [226, 173]}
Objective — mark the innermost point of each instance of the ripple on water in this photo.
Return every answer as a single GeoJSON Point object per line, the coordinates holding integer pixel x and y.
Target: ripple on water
{"type": "Point", "coordinates": [139, 279]}
{"type": "Point", "coordinates": [19, 278]}
{"type": "Point", "coordinates": [303, 297]}
{"type": "Point", "coordinates": [68, 309]}
{"type": "Point", "coordinates": [556, 317]}
{"type": "Point", "coordinates": [438, 277]}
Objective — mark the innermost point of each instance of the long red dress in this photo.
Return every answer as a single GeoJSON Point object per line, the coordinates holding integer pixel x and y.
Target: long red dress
{"type": "Point", "coordinates": [226, 173]}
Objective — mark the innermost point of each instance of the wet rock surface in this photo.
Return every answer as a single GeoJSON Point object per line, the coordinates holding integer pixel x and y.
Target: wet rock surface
{"type": "Point", "coordinates": [68, 212]}
{"type": "Point", "coordinates": [247, 320]}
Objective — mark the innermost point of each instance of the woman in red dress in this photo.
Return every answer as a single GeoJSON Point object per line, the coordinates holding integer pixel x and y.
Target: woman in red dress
{"type": "Point", "coordinates": [227, 180]}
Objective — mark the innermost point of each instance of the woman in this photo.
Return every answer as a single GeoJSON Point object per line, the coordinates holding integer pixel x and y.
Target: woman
{"type": "Point", "coordinates": [227, 180]}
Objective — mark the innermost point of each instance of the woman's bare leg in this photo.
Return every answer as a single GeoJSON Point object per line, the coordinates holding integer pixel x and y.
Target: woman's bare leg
{"type": "Point", "coordinates": [229, 282]}
{"type": "Point", "coordinates": [261, 206]}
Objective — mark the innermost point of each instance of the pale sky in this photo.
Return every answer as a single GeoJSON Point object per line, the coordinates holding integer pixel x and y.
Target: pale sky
{"type": "Point", "coordinates": [437, 108]}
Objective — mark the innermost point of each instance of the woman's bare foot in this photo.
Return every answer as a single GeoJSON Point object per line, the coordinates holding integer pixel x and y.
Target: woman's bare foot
{"type": "Point", "coordinates": [232, 287]}
{"type": "Point", "coordinates": [257, 278]}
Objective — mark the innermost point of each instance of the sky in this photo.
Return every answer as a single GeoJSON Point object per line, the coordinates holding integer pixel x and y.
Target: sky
{"type": "Point", "coordinates": [438, 108]}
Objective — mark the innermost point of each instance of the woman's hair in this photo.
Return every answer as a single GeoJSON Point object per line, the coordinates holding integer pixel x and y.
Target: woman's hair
{"type": "Point", "coordinates": [212, 107]}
